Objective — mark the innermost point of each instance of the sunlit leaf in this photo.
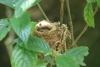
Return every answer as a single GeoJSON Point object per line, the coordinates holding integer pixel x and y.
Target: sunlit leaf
{"type": "Point", "coordinates": [10, 3]}
{"type": "Point", "coordinates": [36, 44]}
{"type": "Point", "coordinates": [78, 53]}
{"type": "Point", "coordinates": [88, 15]}
{"type": "Point", "coordinates": [98, 2]}
{"type": "Point", "coordinates": [23, 5]}
{"type": "Point", "coordinates": [22, 26]}
{"type": "Point", "coordinates": [4, 28]}
{"type": "Point", "coordinates": [66, 61]}
{"type": "Point", "coordinates": [23, 58]}
{"type": "Point", "coordinates": [89, 1]}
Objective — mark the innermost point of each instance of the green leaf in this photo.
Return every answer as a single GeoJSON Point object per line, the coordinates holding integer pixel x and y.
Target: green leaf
{"type": "Point", "coordinates": [4, 28]}
{"type": "Point", "coordinates": [66, 61]}
{"type": "Point", "coordinates": [42, 65]}
{"type": "Point", "coordinates": [23, 5]}
{"type": "Point", "coordinates": [36, 44]}
{"type": "Point", "coordinates": [22, 26]}
{"type": "Point", "coordinates": [88, 15]}
{"type": "Point", "coordinates": [23, 58]}
{"type": "Point", "coordinates": [98, 2]}
{"type": "Point", "coordinates": [48, 58]}
{"type": "Point", "coordinates": [81, 51]}
{"type": "Point", "coordinates": [89, 1]}
{"type": "Point", "coordinates": [78, 53]}
{"type": "Point", "coordinates": [14, 41]}
{"type": "Point", "coordinates": [10, 3]}
{"type": "Point", "coordinates": [72, 58]}
{"type": "Point", "coordinates": [33, 24]}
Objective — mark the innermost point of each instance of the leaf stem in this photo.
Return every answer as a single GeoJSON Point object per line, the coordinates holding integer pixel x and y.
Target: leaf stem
{"type": "Point", "coordinates": [85, 28]}
{"type": "Point", "coordinates": [61, 12]}
{"type": "Point", "coordinates": [42, 11]}
{"type": "Point", "coordinates": [70, 21]}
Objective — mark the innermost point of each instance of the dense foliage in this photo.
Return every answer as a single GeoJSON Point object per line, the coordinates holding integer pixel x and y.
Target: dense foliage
{"type": "Point", "coordinates": [25, 53]}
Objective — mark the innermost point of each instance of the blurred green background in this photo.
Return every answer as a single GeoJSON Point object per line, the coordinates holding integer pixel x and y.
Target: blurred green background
{"type": "Point", "coordinates": [90, 38]}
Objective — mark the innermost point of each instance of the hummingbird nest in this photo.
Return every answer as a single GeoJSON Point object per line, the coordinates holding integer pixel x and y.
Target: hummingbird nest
{"type": "Point", "coordinates": [58, 37]}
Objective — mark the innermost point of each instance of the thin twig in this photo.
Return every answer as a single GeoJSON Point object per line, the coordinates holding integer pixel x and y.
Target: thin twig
{"type": "Point", "coordinates": [70, 21]}
{"type": "Point", "coordinates": [96, 9]}
{"type": "Point", "coordinates": [42, 11]}
{"type": "Point", "coordinates": [61, 12]}
{"type": "Point", "coordinates": [85, 28]}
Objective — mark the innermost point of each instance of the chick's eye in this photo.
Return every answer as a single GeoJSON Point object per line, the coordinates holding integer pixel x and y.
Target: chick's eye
{"type": "Point", "coordinates": [40, 24]}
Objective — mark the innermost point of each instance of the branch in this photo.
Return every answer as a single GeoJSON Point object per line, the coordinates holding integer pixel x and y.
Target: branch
{"type": "Point", "coordinates": [11, 34]}
{"type": "Point", "coordinates": [61, 12]}
{"type": "Point", "coordinates": [42, 11]}
{"type": "Point", "coordinates": [70, 21]}
{"type": "Point", "coordinates": [85, 28]}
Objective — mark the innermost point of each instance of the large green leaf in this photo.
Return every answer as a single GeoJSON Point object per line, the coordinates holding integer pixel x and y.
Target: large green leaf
{"type": "Point", "coordinates": [10, 3]}
{"type": "Point", "coordinates": [4, 28]}
{"type": "Point", "coordinates": [66, 61]}
{"type": "Point", "coordinates": [22, 26]}
{"type": "Point", "coordinates": [81, 51]}
{"type": "Point", "coordinates": [23, 5]}
{"type": "Point", "coordinates": [78, 53]}
{"type": "Point", "coordinates": [88, 15]}
{"type": "Point", "coordinates": [89, 1]}
{"type": "Point", "coordinates": [23, 58]}
{"type": "Point", "coordinates": [72, 58]}
{"type": "Point", "coordinates": [36, 44]}
{"type": "Point", "coordinates": [98, 2]}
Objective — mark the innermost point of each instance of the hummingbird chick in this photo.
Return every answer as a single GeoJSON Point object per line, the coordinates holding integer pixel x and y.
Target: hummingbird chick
{"type": "Point", "coordinates": [44, 25]}
{"type": "Point", "coordinates": [53, 34]}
